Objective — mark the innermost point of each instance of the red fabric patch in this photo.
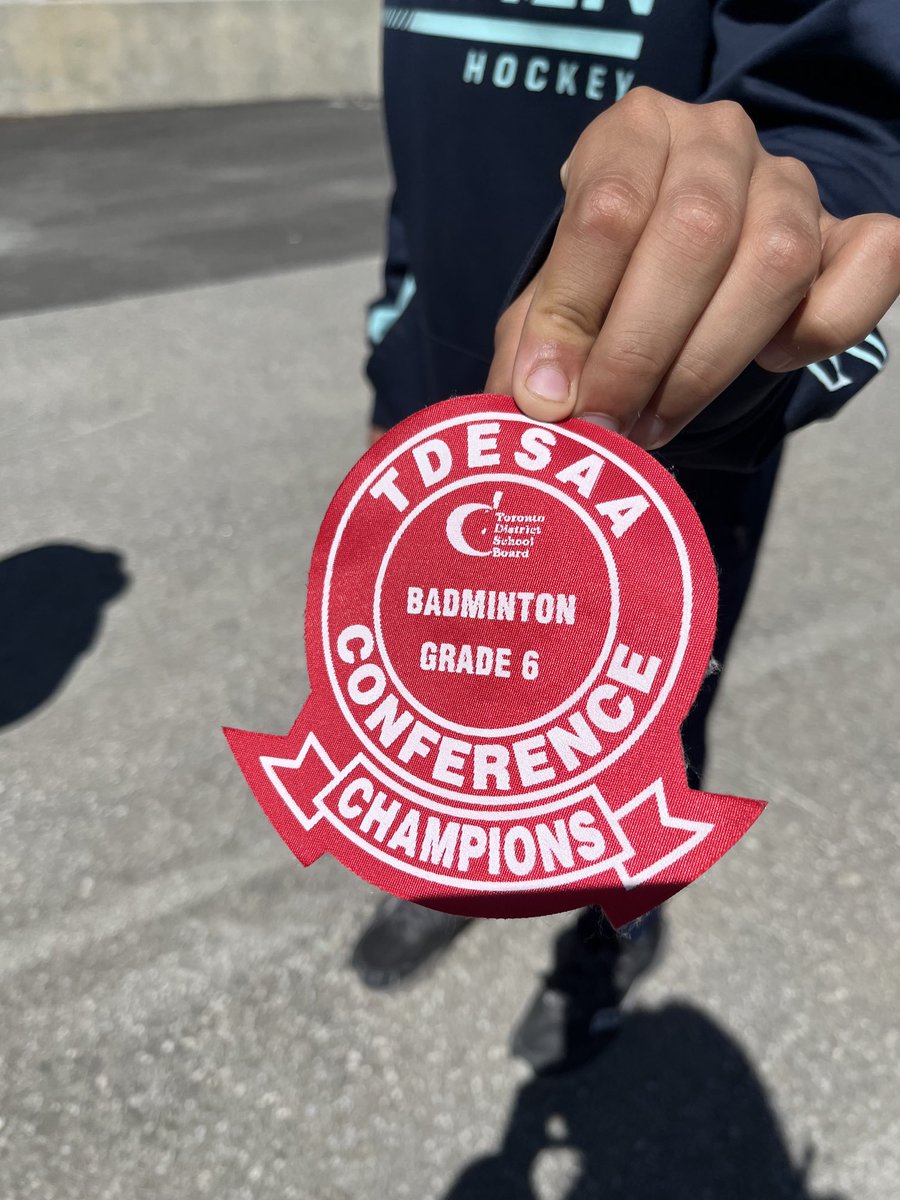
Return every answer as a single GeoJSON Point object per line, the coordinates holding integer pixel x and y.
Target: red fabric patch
{"type": "Point", "coordinates": [506, 624]}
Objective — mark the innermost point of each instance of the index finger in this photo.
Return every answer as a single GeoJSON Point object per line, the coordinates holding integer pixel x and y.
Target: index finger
{"type": "Point", "coordinates": [614, 177]}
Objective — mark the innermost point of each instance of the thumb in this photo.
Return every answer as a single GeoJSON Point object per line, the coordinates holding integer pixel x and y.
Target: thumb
{"type": "Point", "coordinates": [507, 335]}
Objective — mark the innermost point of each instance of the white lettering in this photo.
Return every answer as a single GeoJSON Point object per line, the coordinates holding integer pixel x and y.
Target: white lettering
{"type": "Point", "coordinates": [584, 474]}
{"type": "Point", "coordinates": [376, 684]}
{"type": "Point", "coordinates": [536, 74]}
{"type": "Point", "coordinates": [585, 832]}
{"type": "Point", "coordinates": [555, 848]}
{"type": "Point", "coordinates": [364, 788]}
{"type": "Point", "coordinates": [565, 609]}
{"type": "Point", "coordinates": [489, 605]}
{"type": "Point", "coordinates": [505, 70]}
{"type": "Point", "coordinates": [524, 864]}
{"type": "Point", "coordinates": [543, 608]}
{"type": "Point", "coordinates": [623, 513]}
{"type": "Point", "coordinates": [419, 741]}
{"type": "Point", "coordinates": [494, 850]}
{"type": "Point", "coordinates": [354, 633]}
{"type": "Point", "coordinates": [465, 664]}
{"type": "Point", "coordinates": [624, 80]}
{"type": "Point", "coordinates": [472, 844]}
{"type": "Point", "coordinates": [491, 762]}
{"type": "Point", "coordinates": [831, 384]}
{"type": "Point", "coordinates": [476, 61]}
{"type": "Point", "coordinates": [405, 835]}
{"type": "Point", "coordinates": [630, 673]}
{"type": "Point", "coordinates": [602, 719]}
{"type": "Point", "coordinates": [535, 452]}
{"type": "Point", "coordinates": [437, 847]}
{"type": "Point", "coordinates": [385, 715]}
{"type": "Point", "coordinates": [433, 603]}
{"type": "Point", "coordinates": [579, 738]}
{"type": "Point", "coordinates": [450, 757]}
{"type": "Point", "coordinates": [380, 815]}
{"type": "Point", "coordinates": [530, 759]}
{"type": "Point", "coordinates": [434, 461]}
{"type": "Point", "coordinates": [596, 81]}
{"type": "Point", "coordinates": [472, 603]}
{"type": "Point", "coordinates": [482, 442]}
{"type": "Point", "coordinates": [565, 78]}
{"type": "Point", "coordinates": [387, 486]}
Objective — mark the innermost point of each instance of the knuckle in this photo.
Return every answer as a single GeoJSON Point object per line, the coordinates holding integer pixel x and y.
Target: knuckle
{"type": "Point", "coordinates": [644, 97]}
{"type": "Point", "coordinates": [795, 170]}
{"type": "Point", "coordinates": [729, 118]}
{"type": "Point", "coordinates": [634, 360]}
{"type": "Point", "coordinates": [643, 110]}
{"type": "Point", "coordinates": [702, 376]}
{"type": "Point", "coordinates": [565, 320]}
{"type": "Point", "coordinates": [610, 210]}
{"type": "Point", "coordinates": [826, 333]}
{"type": "Point", "coordinates": [886, 233]}
{"type": "Point", "coordinates": [702, 217]}
{"type": "Point", "coordinates": [787, 249]}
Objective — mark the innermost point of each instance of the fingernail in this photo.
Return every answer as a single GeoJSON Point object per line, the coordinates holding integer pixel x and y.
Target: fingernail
{"type": "Point", "coordinates": [604, 422]}
{"type": "Point", "coordinates": [548, 383]}
{"type": "Point", "coordinates": [651, 435]}
{"type": "Point", "coordinates": [774, 358]}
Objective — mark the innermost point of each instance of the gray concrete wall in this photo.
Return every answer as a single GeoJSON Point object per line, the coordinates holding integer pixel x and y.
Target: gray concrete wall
{"type": "Point", "coordinates": [71, 56]}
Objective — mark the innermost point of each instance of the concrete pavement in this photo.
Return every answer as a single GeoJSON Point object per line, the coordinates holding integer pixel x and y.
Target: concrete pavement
{"type": "Point", "coordinates": [177, 1016]}
{"type": "Point", "coordinates": [120, 204]}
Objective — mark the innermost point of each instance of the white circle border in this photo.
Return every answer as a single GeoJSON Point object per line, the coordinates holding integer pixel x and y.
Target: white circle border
{"type": "Point", "coordinates": [525, 800]}
{"type": "Point", "coordinates": [593, 527]}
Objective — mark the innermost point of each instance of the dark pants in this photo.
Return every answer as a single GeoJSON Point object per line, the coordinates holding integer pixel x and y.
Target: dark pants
{"type": "Point", "coordinates": [733, 508]}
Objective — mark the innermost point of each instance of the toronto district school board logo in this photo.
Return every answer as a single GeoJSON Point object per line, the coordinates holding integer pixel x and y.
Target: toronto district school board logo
{"type": "Point", "coordinates": [506, 624]}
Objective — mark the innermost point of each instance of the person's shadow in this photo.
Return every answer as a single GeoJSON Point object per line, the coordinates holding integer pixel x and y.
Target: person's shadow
{"type": "Point", "coordinates": [51, 603]}
{"type": "Point", "coordinates": [671, 1111]}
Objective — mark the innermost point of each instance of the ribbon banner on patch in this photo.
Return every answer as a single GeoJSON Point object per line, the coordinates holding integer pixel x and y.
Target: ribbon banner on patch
{"type": "Point", "coordinates": [506, 624]}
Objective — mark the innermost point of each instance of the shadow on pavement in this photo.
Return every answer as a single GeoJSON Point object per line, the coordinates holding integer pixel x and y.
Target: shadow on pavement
{"type": "Point", "coordinates": [51, 602]}
{"type": "Point", "coordinates": [97, 206]}
{"type": "Point", "coordinates": [672, 1111]}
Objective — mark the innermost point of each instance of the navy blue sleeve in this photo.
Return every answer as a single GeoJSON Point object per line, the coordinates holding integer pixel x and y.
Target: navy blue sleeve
{"type": "Point", "coordinates": [821, 81]}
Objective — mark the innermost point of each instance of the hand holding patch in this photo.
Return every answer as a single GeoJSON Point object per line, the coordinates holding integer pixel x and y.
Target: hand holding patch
{"type": "Point", "coordinates": [506, 624]}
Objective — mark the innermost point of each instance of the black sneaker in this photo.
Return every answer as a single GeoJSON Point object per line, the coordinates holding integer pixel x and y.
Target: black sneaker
{"type": "Point", "coordinates": [400, 940]}
{"type": "Point", "coordinates": [577, 1013]}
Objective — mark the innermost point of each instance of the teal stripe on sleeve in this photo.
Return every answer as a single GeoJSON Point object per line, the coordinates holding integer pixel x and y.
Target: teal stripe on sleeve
{"type": "Point", "coordinates": [574, 39]}
{"type": "Point", "coordinates": [383, 317]}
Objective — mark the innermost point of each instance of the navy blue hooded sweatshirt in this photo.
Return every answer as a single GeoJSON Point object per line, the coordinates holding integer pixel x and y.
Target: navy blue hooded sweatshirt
{"type": "Point", "coordinates": [484, 99]}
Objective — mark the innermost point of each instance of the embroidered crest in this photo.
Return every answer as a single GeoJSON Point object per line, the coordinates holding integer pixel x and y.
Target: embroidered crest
{"type": "Point", "coordinates": [506, 624]}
